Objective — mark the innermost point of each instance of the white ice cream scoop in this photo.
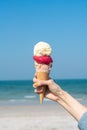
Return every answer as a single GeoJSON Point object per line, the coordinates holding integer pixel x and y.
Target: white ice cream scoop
{"type": "Point", "coordinates": [42, 48]}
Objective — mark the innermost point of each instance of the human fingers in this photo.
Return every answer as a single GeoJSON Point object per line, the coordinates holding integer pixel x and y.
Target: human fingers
{"type": "Point", "coordinates": [35, 84]}
{"type": "Point", "coordinates": [38, 82]}
{"type": "Point", "coordinates": [38, 90]}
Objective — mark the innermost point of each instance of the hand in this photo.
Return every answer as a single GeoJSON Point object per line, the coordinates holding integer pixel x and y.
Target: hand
{"type": "Point", "coordinates": [55, 93]}
{"type": "Point", "coordinates": [53, 90]}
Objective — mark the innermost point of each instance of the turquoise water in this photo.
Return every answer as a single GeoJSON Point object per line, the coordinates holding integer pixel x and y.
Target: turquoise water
{"type": "Point", "coordinates": [77, 88]}
{"type": "Point", "coordinates": [18, 92]}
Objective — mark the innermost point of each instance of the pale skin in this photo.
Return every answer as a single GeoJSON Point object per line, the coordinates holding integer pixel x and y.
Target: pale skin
{"type": "Point", "coordinates": [56, 93]}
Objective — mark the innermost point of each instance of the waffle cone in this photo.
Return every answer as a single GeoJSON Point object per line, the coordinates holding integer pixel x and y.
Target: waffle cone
{"type": "Point", "coordinates": [42, 76]}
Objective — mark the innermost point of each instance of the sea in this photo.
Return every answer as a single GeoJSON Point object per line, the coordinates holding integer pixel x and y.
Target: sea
{"type": "Point", "coordinates": [21, 92]}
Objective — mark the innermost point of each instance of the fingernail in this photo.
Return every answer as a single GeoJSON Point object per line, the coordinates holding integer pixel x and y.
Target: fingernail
{"type": "Point", "coordinates": [35, 84]}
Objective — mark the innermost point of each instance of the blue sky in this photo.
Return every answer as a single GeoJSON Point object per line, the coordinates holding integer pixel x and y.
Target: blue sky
{"type": "Point", "coordinates": [61, 23]}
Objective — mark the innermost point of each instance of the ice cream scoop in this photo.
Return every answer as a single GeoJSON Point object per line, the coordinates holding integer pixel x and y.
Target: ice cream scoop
{"type": "Point", "coordinates": [43, 59]}
{"type": "Point", "coordinates": [42, 48]}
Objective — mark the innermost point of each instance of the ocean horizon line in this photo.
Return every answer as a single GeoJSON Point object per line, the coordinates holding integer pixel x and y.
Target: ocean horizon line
{"type": "Point", "coordinates": [52, 78]}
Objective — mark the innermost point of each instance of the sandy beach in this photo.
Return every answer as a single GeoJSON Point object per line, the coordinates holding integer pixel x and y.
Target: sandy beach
{"type": "Point", "coordinates": [36, 117]}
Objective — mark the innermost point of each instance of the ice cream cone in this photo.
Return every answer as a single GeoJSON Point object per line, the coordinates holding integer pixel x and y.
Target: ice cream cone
{"type": "Point", "coordinates": [42, 76]}
{"type": "Point", "coordinates": [43, 63]}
